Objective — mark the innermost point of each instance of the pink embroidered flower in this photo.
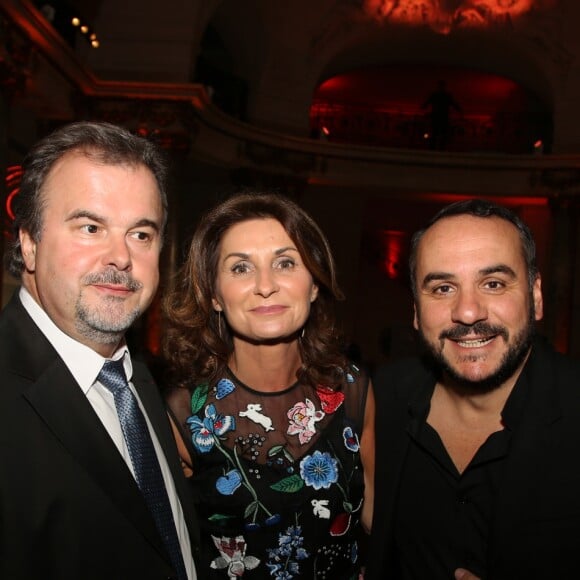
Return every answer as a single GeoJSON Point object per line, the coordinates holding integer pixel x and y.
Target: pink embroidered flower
{"type": "Point", "coordinates": [303, 416]}
{"type": "Point", "coordinates": [233, 556]}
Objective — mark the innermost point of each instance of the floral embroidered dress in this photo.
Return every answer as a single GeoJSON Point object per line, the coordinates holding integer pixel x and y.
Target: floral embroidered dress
{"type": "Point", "coordinates": [277, 477]}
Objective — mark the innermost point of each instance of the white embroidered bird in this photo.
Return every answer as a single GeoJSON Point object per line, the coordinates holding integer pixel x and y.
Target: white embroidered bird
{"type": "Point", "coordinates": [320, 508]}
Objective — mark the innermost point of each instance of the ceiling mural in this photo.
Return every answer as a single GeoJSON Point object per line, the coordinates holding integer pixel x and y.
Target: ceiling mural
{"type": "Point", "coordinates": [445, 15]}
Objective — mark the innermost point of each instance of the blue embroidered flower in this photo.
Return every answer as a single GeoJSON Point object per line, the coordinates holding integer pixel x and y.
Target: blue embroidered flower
{"type": "Point", "coordinates": [214, 425]}
{"type": "Point", "coordinates": [350, 439]}
{"type": "Point", "coordinates": [319, 470]}
{"type": "Point", "coordinates": [277, 572]}
{"type": "Point", "coordinates": [201, 436]}
{"type": "Point", "coordinates": [292, 539]}
{"type": "Point", "coordinates": [283, 563]}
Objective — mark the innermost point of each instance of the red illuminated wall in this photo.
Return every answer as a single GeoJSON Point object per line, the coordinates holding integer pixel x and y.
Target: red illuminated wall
{"type": "Point", "coordinates": [385, 106]}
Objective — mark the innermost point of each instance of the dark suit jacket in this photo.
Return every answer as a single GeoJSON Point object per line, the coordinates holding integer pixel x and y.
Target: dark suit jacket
{"type": "Point", "coordinates": [535, 527]}
{"type": "Point", "coordinates": [69, 506]}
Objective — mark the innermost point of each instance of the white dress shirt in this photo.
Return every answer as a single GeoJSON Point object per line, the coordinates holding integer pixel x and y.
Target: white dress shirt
{"type": "Point", "coordinates": [85, 364]}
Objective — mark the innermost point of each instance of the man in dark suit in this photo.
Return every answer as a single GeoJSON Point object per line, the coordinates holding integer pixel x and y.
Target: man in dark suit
{"type": "Point", "coordinates": [90, 480]}
{"type": "Point", "coordinates": [477, 470]}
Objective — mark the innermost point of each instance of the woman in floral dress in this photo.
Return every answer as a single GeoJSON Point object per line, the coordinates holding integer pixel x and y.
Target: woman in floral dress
{"type": "Point", "coordinates": [276, 425]}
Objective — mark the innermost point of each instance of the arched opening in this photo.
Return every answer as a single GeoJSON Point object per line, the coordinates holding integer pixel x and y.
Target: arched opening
{"type": "Point", "coordinates": [428, 106]}
{"type": "Point", "coordinates": [215, 69]}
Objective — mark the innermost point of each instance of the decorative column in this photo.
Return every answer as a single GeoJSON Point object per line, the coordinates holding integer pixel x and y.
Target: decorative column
{"type": "Point", "coordinates": [15, 55]}
{"type": "Point", "coordinates": [574, 341]}
{"type": "Point", "coordinates": [3, 192]}
{"type": "Point", "coordinates": [560, 288]}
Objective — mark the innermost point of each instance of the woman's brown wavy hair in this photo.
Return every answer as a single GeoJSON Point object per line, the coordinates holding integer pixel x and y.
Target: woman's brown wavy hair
{"type": "Point", "coordinates": [195, 349]}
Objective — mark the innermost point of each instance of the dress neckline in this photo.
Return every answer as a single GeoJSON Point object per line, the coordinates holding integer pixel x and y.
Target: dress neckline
{"type": "Point", "coordinates": [241, 384]}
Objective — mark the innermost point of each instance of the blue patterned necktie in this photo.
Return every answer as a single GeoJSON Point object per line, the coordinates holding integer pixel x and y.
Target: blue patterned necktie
{"type": "Point", "coordinates": [144, 459]}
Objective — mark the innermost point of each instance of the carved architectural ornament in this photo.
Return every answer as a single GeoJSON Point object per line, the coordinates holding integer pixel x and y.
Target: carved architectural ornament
{"type": "Point", "coordinates": [445, 15]}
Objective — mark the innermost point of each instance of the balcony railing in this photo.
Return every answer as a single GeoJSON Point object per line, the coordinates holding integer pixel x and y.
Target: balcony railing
{"type": "Point", "coordinates": [498, 133]}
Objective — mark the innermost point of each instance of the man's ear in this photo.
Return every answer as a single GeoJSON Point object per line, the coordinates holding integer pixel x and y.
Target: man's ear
{"type": "Point", "coordinates": [415, 317]}
{"type": "Point", "coordinates": [537, 298]}
{"type": "Point", "coordinates": [28, 250]}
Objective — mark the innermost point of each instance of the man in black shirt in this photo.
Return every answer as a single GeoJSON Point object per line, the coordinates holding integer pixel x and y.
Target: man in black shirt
{"type": "Point", "coordinates": [477, 470]}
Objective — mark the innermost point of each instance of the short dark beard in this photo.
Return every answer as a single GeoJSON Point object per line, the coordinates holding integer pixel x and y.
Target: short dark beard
{"type": "Point", "coordinates": [511, 362]}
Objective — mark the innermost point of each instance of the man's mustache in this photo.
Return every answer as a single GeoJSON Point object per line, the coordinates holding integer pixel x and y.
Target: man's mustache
{"type": "Point", "coordinates": [482, 329]}
{"type": "Point", "coordinates": [113, 277]}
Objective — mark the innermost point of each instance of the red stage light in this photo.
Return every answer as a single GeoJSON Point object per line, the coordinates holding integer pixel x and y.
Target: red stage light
{"type": "Point", "coordinates": [13, 176]}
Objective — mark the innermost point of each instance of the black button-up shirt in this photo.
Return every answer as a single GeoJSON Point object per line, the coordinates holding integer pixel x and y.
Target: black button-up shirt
{"type": "Point", "coordinates": [444, 517]}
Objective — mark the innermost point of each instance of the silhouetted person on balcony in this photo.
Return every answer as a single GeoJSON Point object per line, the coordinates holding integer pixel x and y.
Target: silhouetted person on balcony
{"type": "Point", "coordinates": [441, 102]}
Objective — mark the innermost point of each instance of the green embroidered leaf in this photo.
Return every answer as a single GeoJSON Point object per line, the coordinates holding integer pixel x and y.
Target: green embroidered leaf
{"type": "Point", "coordinates": [347, 507]}
{"type": "Point", "coordinates": [218, 517]}
{"type": "Point", "coordinates": [275, 450]}
{"type": "Point", "coordinates": [251, 509]}
{"type": "Point", "coordinates": [290, 484]}
{"type": "Point", "coordinates": [199, 397]}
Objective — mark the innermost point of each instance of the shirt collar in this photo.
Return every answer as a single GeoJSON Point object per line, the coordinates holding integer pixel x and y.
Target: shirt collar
{"type": "Point", "coordinates": [516, 401]}
{"type": "Point", "coordinates": [82, 361]}
{"type": "Point", "coordinates": [420, 404]}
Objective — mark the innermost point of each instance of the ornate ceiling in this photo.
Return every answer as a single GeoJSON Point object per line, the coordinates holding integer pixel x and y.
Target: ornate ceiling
{"type": "Point", "coordinates": [445, 15]}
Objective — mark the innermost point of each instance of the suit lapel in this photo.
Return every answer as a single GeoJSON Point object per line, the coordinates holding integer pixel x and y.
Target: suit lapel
{"type": "Point", "coordinates": [61, 404]}
{"type": "Point", "coordinates": [63, 407]}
